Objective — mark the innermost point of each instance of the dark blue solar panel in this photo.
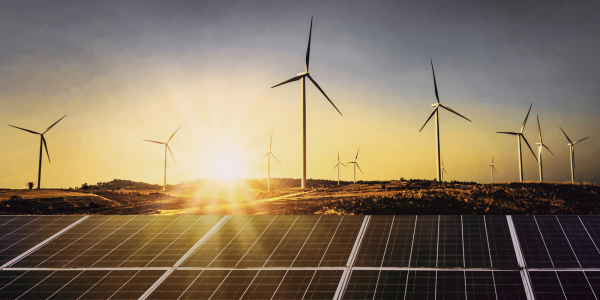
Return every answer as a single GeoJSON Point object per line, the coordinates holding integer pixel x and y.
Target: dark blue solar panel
{"type": "Point", "coordinates": [532, 243]}
{"type": "Point", "coordinates": [584, 247]}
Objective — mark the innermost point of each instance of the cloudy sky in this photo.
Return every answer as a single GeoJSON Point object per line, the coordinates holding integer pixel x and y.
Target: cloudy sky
{"type": "Point", "coordinates": [123, 71]}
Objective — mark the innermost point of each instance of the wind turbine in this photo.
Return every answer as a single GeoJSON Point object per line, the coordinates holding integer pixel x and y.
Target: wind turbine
{"type": "Point", "coordinates": [166, 147]}
{"type": "Point", "coordinates": [571, 144]}
{"type": "Point", "coordinates": [540, 144]}
{"type": "Point", "coordinates": [42, 141]}
{"type": "Point", "coordinates": [338, 166]}
{"type": "Point", "coordinates": [493, 169]}
{"type": "Point", "coordinates": [269, 155]}
{"type": "Point", "coordinates": [519, 136]}
{"type": "Point", "coordinates": [443, 170]}
{"type": "Point", "coordinates": [302, 76]}
{"type": "Point", "coordinates": [437, 123]}
{"type": "Point", "coordinates": [356, 165]}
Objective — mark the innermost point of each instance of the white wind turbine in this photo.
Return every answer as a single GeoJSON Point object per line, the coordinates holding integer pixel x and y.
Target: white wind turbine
{"type": "Point", "coordinates": [269, 154]}
{"type": "Point", "coordinates": [492, 169]}
{"type": "Point", "coordinates": [540, 144]}
{"type": "Point", "coordinates": [572, 151]}
{"type": "Point", "coordinates": [169, 148]}
{"type": "Point", "coordinates": [42, 142]}
{"type": "Point", "coordinates": [519, 136]}
{"type": "Point", "coordinates": [302, 76]}
{"type": "Point", "coordinates": [437, 123]}
{"type": "Point", "coordinates": [355, 162]}
{"type": "Point", "coordinates": [338, 167]}
{"type": "Point", "coordinates": [443, 170]}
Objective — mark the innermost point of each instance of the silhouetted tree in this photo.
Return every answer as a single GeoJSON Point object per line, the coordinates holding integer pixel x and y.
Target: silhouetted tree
{"type": "Point", "coordinates": [30, 184]}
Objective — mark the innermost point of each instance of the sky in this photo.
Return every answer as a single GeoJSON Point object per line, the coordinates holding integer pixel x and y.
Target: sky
{"type": "Point", "coordinates": [124, 71]}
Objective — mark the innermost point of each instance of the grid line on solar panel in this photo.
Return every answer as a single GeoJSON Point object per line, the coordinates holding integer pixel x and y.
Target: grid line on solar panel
{"type": "Point", "coordinates": [531, 241]}
{"type": "Point", "coordinates": [556, 242]}
{"type": "Point", "coordinates": [257, 239]}
{"type": "Point", "coordinates": [568, 284]}
{"type": "Point", "coordinates": [35, 231]}
{"type": "Point", "coordinates": [122, 241]}
{"type": "Point", "coordinates": [386, 284]}
{"type": "Point", "coordinates": [76, 284]}
{"type": "Point", "coordinates": [585, 249]}
{"type": "Point", "coordinates": [358, 241]}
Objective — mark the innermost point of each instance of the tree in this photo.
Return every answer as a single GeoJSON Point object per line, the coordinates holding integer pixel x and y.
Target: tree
{"type": "Point", "coordinates": [84, 186]}
{"type": "Point", "coordinates": [30, 184]}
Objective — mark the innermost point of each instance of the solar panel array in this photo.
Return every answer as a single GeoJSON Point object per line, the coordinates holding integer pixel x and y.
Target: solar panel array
{"type": "Point", "coordinates": [299, 257]}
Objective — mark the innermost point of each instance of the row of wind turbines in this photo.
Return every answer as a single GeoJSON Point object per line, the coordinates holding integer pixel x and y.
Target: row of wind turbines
{"type": "Point", "coordinates": [302, 76]}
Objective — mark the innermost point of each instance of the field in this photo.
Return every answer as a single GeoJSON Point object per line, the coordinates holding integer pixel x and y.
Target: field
{"type": "Point", "coordinates": [324, 197]}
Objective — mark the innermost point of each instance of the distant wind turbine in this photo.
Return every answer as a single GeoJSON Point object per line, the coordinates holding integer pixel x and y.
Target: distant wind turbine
{"type": "Point", "coordinates": [42, 141]}
{"type": "Point", "coordinates": [519, 136]}
{"type": "Point", "coordinates": [269, 154]}
{"type": "Point", "coordinates": [493, 169]}
{"type": "Point", "coordinates": [437, 123]}
{"type": "Point", "coordinates": [355, 162]}
{"type": "Point", "coordinates": [540, 144]}
{"type": "Point", "coordinates": [571, 144]}
{"type": "Point", "coordinates": [302, 76]}
{"type": "Point", "coordinates": [443, 170]}
{"type": "Point", "coordinates": [338, 167]}
{"type": "Point", "coordinates": [169, 148]}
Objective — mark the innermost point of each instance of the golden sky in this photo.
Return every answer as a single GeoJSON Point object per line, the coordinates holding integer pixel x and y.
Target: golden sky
{"type": "Point", "coordinates": [122, 75]}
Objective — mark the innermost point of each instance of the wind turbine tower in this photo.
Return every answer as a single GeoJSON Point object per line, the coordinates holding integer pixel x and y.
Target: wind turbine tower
{"type": "Point", "coordinates": [519, 136]}
{"type": "Point", "coordinates": [166, 148]}
{"type": "Point", "coordinates": [443, 170]}
{"type": "Point", "coordinates": [303, 76]}
{"type": "Point", "coordinates": [493, 169]}
{"type": "Point", "coordinates": [540, 145]}
{"type": "Point", "coordinates": [42, 142]}
{"type": "Point", "coordinates": [338, 167]}
{"type": "Point", "coordinates": [437, 123]}
{"type": "Point", "coordinates": [572, 151]}
{"type": "Point", "coordinates": [269, 154]}
{"type": "Point", "coordinates": [355, 162]}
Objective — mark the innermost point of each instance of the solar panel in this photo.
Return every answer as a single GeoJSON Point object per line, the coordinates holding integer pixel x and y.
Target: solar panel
{"type": "Point", "coordinates": [585, 249]}
{"type": "Point", "coordinates": [76, 284]}
{"type": "Point", "coordinates": [122, 241]}
{"type": "Point", "coordinates": [249, 284]}
{"type": "Point", "coordinates": [279, 241]}
{"type": "Point", "coordinates": [501, 245]}
{"type": "Point", "coordinates": [563, 284]}
{"type": "Point", "coordinates": [20, 233]}
{"type": "Point", "coordinates": [417, 284]}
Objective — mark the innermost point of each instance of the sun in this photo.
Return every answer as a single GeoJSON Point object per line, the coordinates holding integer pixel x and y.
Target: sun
{"type": "Point", "coordinates": [226, 162]}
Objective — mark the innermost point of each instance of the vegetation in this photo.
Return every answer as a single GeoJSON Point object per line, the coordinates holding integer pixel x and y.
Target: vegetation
{"type": "Point", "coordinates": [30, 184]}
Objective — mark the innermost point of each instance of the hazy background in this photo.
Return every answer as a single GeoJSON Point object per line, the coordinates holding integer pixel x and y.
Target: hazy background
{"type": "Point", "coordinates": [124, 71]}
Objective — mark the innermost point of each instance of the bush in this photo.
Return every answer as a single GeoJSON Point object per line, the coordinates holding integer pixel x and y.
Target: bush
{"type": "Point", "coordinates": [30, 184]}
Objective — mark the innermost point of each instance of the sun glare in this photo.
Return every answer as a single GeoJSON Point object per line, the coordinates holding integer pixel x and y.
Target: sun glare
{"type": "Point", "coordinates": [226, 163]}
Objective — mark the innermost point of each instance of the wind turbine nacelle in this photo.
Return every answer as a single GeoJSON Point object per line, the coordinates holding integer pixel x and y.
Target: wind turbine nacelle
{"type": "Point", "coordinates": [303, 73]}
{"type": "Point", "coordinates": [435, 105]}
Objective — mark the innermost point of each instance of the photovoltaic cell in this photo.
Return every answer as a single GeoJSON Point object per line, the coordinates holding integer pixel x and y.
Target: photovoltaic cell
{"type": "Point", "coordinates": [556, 242]}
{"type": "Point", "coordinates": [476, 241]}
{"type": "Point", "coordinates": [396, 284]}
{"type": "Point", "coordinates": [21, 233]}
{"type": "Point", "coordinates": [76, 284]}
{"type": "Point", "coordinates": [425, 250]}
{"type": "Point", "coordinates": [585, 249]}
{"type": "Point", "coordinates": [279, 241]}
{"type": "Point", "coordinates": [249, 284]}
{"type": "Point", "coordinates": [562, 285]}
{"type": "Point", "coordinates": [450, 245]}
{"type": "Point", "coordinates": [534, 249]}
{"type": "Point", "coordinates": [501, 245]}
{"type": "Point", "coordinates": [122, 241]}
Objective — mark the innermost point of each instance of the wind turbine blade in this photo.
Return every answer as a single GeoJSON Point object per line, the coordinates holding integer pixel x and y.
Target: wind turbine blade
{"type": "Point", "coordinates": [172, 155]}
{"type": "Point", "coordinates": [24, 129]}
{"type": "Point", "coordinates": [435, 83]}
{"type": "Point", "coordinates": [445, 171]}
{"type": "Point", "coordinates": [308, 48]}
{"type": "Point", "coordinates": [275, 158]}
{"type": "Point", "coordinates": [529, 147]}
{"type": "Point", "coordinates": [565, 135]}
{"type": "Point", "coordinates": [525, 122]}
{"type": "Point", "coordinates": [492, 158]}
{"type": "Point", "coordinates": [344, 165]}
{"type": "Point", "coordinates": [338, 156]}
{"type": "Point", "coordinates": [494, 169]}
{"type": "Point", "coordinates": [360, 169]}
{"type": "Point", "coordinates": [548, 149]}
{"type": "Point", "coordinates": [356, 158]}
{"type": "Point", "coordinates": [155, 142]}
{"type": "Point", "coordinates": [46, 147]}
{"type": "Point", "coordinates": [453, 111]}
{"type": "Point", "coordinates": [173, 134]}
{"type": "Point", "coordinates": [290, 80]}
{"type": "Point", "coordinates": [581, 140]}
{"type": "Point", "coordinates": [315, 83]}
{"type": "Point", "coordinates": [511, 133]}
{"type": "Point", "coordinates": [54, 124]}
{"type": "Point", "coordinates": [573, 158]}
{"type": "Point", "coordinates": [539, 129]}
{"type": "Point", "coordinates": [265, 155]}
{"type": "Point", "coordinates": [336, 166]}
{"type": "Point", "coordinates": [434, 110]}
{"type": "Point", "coordinates": [271, 144]}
